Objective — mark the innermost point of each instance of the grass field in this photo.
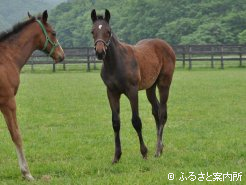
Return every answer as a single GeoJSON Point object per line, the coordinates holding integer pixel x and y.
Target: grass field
{"type": "Point", "coordinates": [65, 122]}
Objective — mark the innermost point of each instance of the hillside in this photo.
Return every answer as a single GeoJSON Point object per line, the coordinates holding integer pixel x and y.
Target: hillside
{"type": "Point", "coordinates": [13, 11]}
{"type": "Point", "coordinates": [177, 21]}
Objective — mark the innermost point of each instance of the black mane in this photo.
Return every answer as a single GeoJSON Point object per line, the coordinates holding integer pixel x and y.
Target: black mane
{"type": "Point", "coordinates": [15, 29]}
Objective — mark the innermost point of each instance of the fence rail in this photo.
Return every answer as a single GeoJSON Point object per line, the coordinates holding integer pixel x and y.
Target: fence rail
{"type": "Point", "coordinates": [184, 53]}
{"type": "Point", "coordinates": [212, 53]}
{"type": "Point", "coordinates": [83, 55]}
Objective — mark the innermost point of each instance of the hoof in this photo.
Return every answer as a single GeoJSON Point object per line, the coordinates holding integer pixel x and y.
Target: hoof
{"type": "Point", "coordinates": [159, 150]}
{"type": "Point", "coordinates": [157, 154]}
{"type": "Point", "coordinates": [144, 152]}
{"type": "Point", "coordinates": [114, 161]}
{"type": "Point", "coordinates": [28, 177]}
{"type": "Point", "coordinates": [145, 157]}
{"type": "Point", "coordinates": [116, 158]}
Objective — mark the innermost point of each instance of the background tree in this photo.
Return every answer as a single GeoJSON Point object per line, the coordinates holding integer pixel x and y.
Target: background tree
{"type": "Point", "coordinates": [176, 21]}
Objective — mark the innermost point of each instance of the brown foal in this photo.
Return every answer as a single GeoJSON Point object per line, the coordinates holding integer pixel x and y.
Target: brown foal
{"type": "Point", "coordinates": [16, 46]}
{"type": "Point", "coordinates": [129, 68]}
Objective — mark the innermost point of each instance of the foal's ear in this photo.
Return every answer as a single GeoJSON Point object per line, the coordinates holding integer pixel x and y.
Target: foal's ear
{"type": "Point", "coordinates": [29, 15]}
{"type": "Point", "coordinates": [93, 15]}
{"type": "Point", "coordinates": [45, 16]}
{"type": "Point", "coordinates": [107, 15]}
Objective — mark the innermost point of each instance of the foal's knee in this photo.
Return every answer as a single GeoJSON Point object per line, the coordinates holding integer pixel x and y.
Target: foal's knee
{"type": "Point", "coordinates": [137, 124]}
{"type": "Point", "coordinates": [116, 122]}
{"type": "Point", "coordinates": [155, 112]}
{"type": "Point", "coordinates": [116, 125]}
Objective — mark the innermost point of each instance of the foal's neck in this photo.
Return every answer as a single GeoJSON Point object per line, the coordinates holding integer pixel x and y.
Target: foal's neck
{"type": "Point", "coordinates": [111, 58]}
{"type": "Point", "coordinates": [22, 45]}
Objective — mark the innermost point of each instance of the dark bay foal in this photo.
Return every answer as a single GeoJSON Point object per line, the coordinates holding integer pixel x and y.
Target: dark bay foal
{"type": "Point", "coordinates": [16, 46]}
{"type": "Point", "coordinates": [126, 70]}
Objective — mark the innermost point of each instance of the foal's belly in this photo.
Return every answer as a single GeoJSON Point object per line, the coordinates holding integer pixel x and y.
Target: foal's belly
{"type": "Point", "coordinates": [147, 83]}
{"type": "Point", "coordinates": [149, 71]}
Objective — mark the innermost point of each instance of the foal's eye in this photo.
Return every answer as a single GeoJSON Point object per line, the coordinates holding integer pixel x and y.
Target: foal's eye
{"type": "Point", "coordinates": [54, 33]}
{"type": "Point", "coordinates": [92, 32]}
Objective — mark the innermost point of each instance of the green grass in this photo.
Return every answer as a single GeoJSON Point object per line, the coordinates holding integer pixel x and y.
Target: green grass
{"type": "Point", "coordinates": [65, 122]}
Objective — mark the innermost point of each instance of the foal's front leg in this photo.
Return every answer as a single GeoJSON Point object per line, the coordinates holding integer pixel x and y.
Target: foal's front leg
{"type": "Point", "coordinates": [9, 111]}
{"type": "Point", "coordinates": [114, 101]}
{"type": "Point", "coordinates": [132, 95]}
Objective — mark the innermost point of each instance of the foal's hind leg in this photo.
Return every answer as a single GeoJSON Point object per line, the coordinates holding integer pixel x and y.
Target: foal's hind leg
{"type": "Point", "coordinates": [151, 95]}
{"type": "Point", "coordinates": [9, 112]}
{"type": "Point", "coordinates": [164, 92]}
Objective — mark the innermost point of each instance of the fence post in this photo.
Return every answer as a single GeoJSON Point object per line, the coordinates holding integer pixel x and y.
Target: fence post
{"type": "Point", "coordinates": [32, 63]}
{"type": "Point", "coordinates": [212, 57]}
{"type": "Point", "coordinates": [64, 65]}
{"type": "Point", "coordinates": [95, 66]}
{"type": "Point", "coordinates": [190, 62]}
{"type": "Point", "coordinates": [54, 67]}
{"type": "Point", "coordinates": [222, 57]}
{"type": "Point", "coordinates": [88, 60]}
{"type": "Point", "coordinates": [212, 61]}
{"type": "Point", "coordinates": [240, 55]}
{"type": "Point", "coordinates": [183, 60]}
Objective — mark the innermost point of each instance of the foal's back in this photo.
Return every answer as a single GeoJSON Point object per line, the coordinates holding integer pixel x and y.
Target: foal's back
{"type": "Point", "coordinates": [156, 48]}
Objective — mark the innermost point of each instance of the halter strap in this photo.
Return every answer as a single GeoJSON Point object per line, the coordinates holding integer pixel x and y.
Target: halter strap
{"type": "Point", "coordinates": [105, 43]}
{"type": "Point", "coordinates": [48, 40]}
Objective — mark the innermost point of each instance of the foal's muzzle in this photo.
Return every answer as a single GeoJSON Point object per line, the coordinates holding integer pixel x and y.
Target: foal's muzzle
{"type": "Point", "coordinates": [100, 48]}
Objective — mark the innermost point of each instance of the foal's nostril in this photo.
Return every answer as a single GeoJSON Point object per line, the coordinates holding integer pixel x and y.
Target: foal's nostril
{"type": "Point", "coordinates": [60, 58]}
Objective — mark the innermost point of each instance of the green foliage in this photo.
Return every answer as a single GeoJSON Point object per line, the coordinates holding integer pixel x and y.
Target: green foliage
{"type": "Point", "coordinates": [242, 37]}
{"type": "Point", "coordinates": [177, 21]}
{"type": "Point", "coordinates": [174, 31]}
{"type": "Point", "coordinates": [212, 33]}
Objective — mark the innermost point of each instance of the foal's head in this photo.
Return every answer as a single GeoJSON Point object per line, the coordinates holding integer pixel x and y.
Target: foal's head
{"type": "Point", "coordinates": [47, 40]}
{"type": "Point", "coordinates": [101, 32]}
